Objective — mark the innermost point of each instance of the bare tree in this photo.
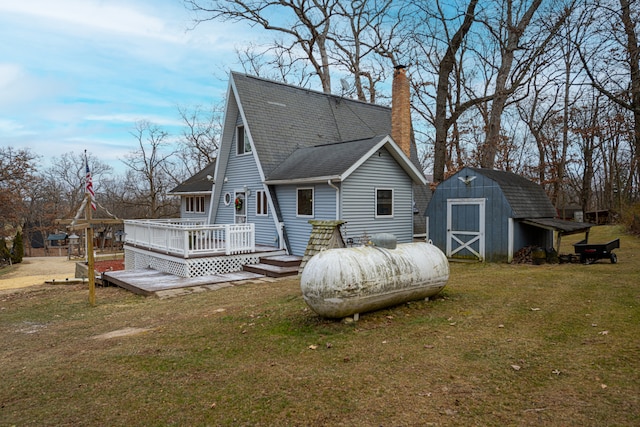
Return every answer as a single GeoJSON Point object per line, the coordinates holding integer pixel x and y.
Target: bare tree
{"type": "Point", "coordinates": [520, 51]}
{"type": "Point", "coordinates": [611, 58]}
{"type": "Point", "coordinates": [585, 124]}
{"type": "Point", "coordinates": [67, 176]}
{"type": "Point", "coordinates": [356, 39]}
{"type": "Point", "coordinates": [274, 63]}
{"type": "Point", "coordinates": [200, 136]}
{"type": "Point", "coordinates": [306, 24]}
{"type": "Point", "coordinates": [443, 118]}
{"type": "Point", "coordinates": [151, 172]}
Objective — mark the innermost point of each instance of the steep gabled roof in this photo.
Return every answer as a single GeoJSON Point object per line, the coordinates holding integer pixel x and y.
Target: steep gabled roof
{"type": "Point", "coordinates": [198, 183]}
{"type": "Point", "coordinates": [305, 118]}
{"type": "Point", "coordinates": [526, 198]}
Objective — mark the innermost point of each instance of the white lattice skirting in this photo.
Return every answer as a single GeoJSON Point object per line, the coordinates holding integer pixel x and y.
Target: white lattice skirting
{"type": "Point", "coordinates": [135, 258]}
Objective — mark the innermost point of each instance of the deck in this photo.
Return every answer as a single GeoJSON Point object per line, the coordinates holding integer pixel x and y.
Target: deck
{"type": "Point", "coordinates": [150, 282]}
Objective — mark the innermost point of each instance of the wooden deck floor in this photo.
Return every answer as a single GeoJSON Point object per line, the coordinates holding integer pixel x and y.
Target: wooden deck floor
{"type": "Point", "coordinates": [151, 282]}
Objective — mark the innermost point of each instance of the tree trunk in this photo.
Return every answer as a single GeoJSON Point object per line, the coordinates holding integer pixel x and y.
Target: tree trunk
{"type": "Point", "coordinates": [441, 123]}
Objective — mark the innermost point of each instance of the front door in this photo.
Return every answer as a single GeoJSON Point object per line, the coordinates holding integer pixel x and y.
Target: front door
{"type": "Point", "coordinates": [240, 207]}
{"type": "Point", "coordinates": [465, 229]}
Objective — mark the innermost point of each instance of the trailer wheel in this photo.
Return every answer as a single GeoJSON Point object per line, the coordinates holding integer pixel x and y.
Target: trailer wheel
{"type": "Point", "coordinates": [614, 258]}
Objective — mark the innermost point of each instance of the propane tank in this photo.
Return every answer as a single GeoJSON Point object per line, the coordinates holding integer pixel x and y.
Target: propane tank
{"type": "Point", "coordinates": [337, 283]}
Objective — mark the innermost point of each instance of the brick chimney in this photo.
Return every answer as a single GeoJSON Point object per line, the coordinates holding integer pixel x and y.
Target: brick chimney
{"type": "Point", "coordinates": [401, 110]}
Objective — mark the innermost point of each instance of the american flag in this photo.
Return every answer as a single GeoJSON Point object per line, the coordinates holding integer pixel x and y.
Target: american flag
{"type": "Point", "coordinates": [89, 185]}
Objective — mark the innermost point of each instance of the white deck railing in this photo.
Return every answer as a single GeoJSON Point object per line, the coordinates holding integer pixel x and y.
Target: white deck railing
{"type": "Point", "coordinates": [185, 237]}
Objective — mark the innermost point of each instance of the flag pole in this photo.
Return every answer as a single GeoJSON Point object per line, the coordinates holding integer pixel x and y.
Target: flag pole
{"type": "Point", "coordinates": [90, 258]}
{"type": "Point", "coordinates": [87, 213]}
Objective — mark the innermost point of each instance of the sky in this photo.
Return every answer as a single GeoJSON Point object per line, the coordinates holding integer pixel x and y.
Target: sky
{"type": "Point", "coordinates": [79, 74]}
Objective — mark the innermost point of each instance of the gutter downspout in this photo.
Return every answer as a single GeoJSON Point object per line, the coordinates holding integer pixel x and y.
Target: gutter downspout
{"type": "Point", "coordinates": [332, 185]}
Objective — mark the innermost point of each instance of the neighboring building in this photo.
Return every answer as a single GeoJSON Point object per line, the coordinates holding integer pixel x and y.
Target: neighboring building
{"type": "Point", "coordinates": [488, 215]}
{"type": "Point", "coordinates": [289, 155]}
{"type": "Point", "coordinates": [195, 193]}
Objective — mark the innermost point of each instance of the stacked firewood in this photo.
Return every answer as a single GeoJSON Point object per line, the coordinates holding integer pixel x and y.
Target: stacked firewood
{"type": "Point", "coordinates": [523, 256]}
{"type": "Point", "coordinates": [535, 255]}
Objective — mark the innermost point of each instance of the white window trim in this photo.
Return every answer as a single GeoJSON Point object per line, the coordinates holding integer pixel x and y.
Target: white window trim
{"type": "Point", "coordinates": [198, 201]}
{"type": "Point", "coordinates": [375, 206]}
{"type": "Point", "coordinates": [313, 204]}
{"type": "Point", "coordinates": [239, 143]}
{"type": "Point", "coordinates": [259, 195]}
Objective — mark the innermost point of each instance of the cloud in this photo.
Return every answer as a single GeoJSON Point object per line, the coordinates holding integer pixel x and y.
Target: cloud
{"type": "Point", "coordinates": [133, 118]}
{"type": "Point", "coordinates": [79, 73]}
{"type": "Point", "coordinates": [112, 17]}
{"type": "Point", "coordinates": [12, 127]}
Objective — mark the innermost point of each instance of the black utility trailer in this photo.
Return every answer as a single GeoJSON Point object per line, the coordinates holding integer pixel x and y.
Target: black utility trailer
{"type": "Point", "coordinates": [590, 253]}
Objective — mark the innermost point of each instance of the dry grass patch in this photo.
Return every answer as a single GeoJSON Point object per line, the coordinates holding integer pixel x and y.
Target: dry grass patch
{"type": "Point", "coordinates": [502, 345]}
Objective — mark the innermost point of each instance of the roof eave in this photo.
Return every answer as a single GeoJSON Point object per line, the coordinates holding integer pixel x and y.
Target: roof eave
{"type": "Point", "coordinates": [307, 180]}
{"type": "Point", "coordinates": [189, 193]}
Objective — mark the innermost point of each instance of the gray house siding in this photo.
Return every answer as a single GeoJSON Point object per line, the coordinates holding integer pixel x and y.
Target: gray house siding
{"type": "Point", "coordinates": [358, 199]}
{"type": "Point", "coordinates": [197, 215]}
{"type": "Point", "coordinates": [242, 174]}
{"type": "Point", "coordinates": [298, 228]}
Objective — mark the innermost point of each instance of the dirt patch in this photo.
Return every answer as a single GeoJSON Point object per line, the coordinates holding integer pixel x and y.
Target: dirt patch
{"type": "Point", "coordinates": [37, 270]}
{"type": "Point", "coordinates": [121, 333]}
{"type": "Point", "coordinates": [110, 265]}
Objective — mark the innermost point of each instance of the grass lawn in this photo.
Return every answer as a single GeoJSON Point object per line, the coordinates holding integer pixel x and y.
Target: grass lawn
{"type": "Point", "coordinates": [552, 345]}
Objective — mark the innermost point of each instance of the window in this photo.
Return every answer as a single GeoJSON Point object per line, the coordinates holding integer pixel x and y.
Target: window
{"type": "Point", "coordinates": [242, 141]}
{"type": "Point", "coordinates": [194, 204]}
{"type": "Point", "coordinates": [384, 202]}
{"type": "Point", "coordinates": [261, 203]}
{"type": "Point", "coordinates": [305, 202]}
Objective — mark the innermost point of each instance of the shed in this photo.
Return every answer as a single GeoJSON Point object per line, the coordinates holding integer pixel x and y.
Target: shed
{"type": "Point", "coordinates": [57, 239]}
{"type": "Point", "coordinates": [488, 215]}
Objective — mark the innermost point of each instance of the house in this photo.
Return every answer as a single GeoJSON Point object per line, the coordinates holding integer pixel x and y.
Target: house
{"type": "Point", "coordinates": [289, 155]}
{"type": "Point", "coordinates": [488, 215]}
{"type": "Point", "coordinates": [195, 193]}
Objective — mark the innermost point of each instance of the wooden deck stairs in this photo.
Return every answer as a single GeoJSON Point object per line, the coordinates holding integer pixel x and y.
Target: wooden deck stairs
{"type": "Point", "coordinates": [276, 266]}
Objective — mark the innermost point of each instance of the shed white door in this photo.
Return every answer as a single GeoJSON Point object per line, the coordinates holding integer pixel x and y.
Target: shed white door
{"type": "Point", "coordinates": [465, 228]}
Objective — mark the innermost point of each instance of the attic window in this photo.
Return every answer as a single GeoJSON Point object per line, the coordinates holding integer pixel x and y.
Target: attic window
{"type": "Point", "coordinates": [242, 141]}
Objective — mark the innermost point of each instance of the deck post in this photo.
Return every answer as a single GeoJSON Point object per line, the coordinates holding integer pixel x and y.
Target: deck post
{"type": "Point", "coordinates": [185, 242]}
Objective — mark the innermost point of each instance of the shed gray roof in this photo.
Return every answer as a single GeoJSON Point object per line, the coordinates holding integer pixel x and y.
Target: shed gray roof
{"type": "Point", "coordinates": [305, 119]}
{"type": "Point", "coordinates": [198, 183]}
{"type": "Point", "coordinates": [560, 225]}
{"type": "Point", "coordinates": [527, 199]}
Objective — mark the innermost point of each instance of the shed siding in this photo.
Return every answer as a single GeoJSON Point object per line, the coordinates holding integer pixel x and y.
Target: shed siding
{"type": "Point", "coordinates": [358, 199]}
{"type": "Point", "coordinates": [242, 171]}
{"type": "Point", "coordinates": [298, 228]}
{"type": "Point", "coordinates": [497, 212]}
